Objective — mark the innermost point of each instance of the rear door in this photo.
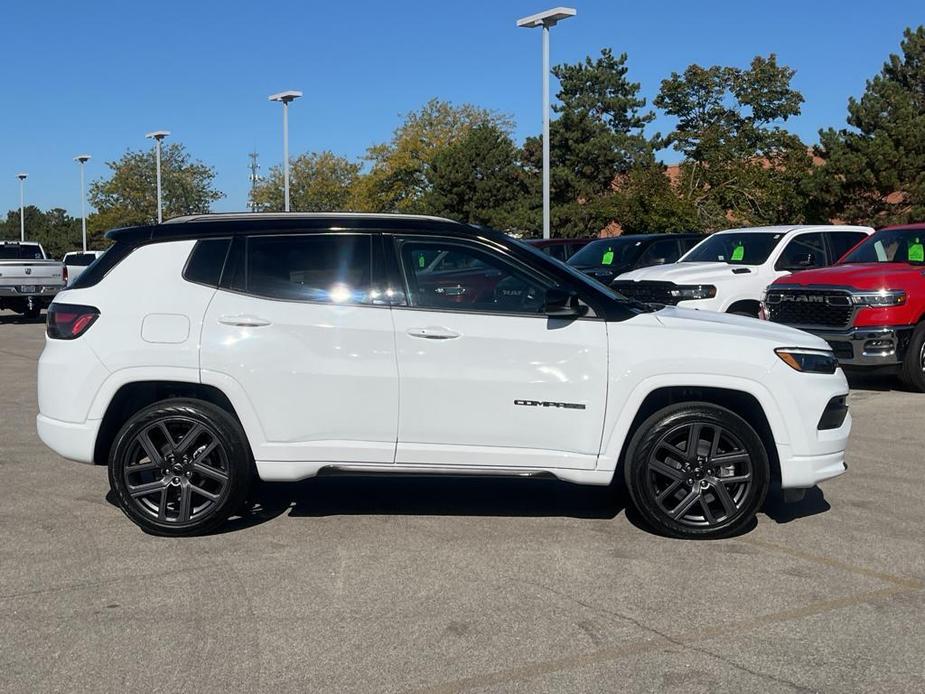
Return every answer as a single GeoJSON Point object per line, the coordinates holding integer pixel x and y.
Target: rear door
{"type": "Point", "coordinates": [486, 378]}
{"type": "Point", "coordinates": [300, 327]}
{"type": "Point", "coordinates": [841, 242]}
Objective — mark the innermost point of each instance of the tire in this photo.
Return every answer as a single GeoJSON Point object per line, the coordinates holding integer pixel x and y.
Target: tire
{"type": "Point", "coordinates": [912, 371]}
{"type": "Point", "coordinates": [678, 494]}
{"type": "Point", "coordinates": [170, 484]}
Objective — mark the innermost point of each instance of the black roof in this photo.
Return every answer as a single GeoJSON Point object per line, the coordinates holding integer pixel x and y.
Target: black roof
{"type": "Point", "coordinates": [206, 225]}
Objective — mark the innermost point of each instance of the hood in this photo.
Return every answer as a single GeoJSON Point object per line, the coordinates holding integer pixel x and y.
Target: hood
{"type": "Point", "coordinates": [867, 276]}
{"type": "Point", "coordinates": [690, 273]}
{"type": "Point", "coordinates": [603, 273]}
{"type": "Point", "coordinates": [738, 326]}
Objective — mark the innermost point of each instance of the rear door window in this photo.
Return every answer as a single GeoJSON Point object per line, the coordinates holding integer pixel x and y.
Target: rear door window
{"type": "Point", "coordinates": [321, 268]}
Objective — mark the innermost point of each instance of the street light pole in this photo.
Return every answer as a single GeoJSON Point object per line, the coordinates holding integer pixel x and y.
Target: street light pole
{"type": "Point", "coordinates": [546, 20]}
{"type": "Point", "coordinates": [285, 98]}
{"type": "Point", "coordinates": [22, 205]}
{"type": "Point", "coordinates": [157, 136]}
{"type": "Point", "coordinates": [82, 159]}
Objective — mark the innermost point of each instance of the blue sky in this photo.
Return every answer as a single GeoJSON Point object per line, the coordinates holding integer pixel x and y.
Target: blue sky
{"type": "Point", "coordinates": [94, 76]}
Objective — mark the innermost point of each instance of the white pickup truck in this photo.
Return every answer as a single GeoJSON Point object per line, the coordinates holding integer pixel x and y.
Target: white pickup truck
{"type": "Point", "coordinates": [729, 270]}
{"type": "Point", "coordinates": [29, 280]}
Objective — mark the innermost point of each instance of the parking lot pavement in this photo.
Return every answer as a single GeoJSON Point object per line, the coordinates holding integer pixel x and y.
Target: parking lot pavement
{"type": "Point", "coordinates": [381, 585]}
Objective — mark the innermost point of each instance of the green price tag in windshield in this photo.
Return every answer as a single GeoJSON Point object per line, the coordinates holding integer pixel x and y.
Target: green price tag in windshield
{"type": "Point", "coordinates": [608, 257]}
{"type": "Point", "coordinates": [916, 252]}
{"type": "Point", "coordinates": [421, 260]}
{"type": "Point", "coordinates": [738, 253]}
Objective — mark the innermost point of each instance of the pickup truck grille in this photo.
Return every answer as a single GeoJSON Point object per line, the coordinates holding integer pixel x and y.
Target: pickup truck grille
{"type": "Point", "coordinates": [647, 292]}
{"type": "Point", "coordinates": [830, 308]}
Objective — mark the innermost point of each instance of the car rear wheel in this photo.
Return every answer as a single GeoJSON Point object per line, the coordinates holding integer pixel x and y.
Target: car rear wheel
{"type": "Point", "coordinates": [180, 467]}
{"type": "Point", "coordinates": [912, 372]}
{"type": "Point", "coordinates": [697, 470]}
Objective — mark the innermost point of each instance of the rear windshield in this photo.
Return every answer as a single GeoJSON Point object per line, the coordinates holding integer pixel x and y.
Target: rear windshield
{"type": "Point", "coordinates": [79, 259]}
{"type": "Point", "coordinates": [16, 251]}
{"type": "Point", "coordinates": [615, 251]}
{"type": "Point", "coordinates": [890, 246]}
{"type": "Point", "coordinates": [98, 269]}
{"type": "Point", "coordinates": [747, 248]}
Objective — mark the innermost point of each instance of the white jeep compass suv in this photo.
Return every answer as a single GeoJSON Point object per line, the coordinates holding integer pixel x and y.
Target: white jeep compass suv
{"type": "Point", "coordinates": [199, 353]}
{"type": "Point", "coordinates": [730, 270]}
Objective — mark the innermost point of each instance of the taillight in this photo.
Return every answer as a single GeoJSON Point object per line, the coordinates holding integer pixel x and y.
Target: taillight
{"type": "Point", "coordinates": [64, 274]}
{"type": "Point", "coordinates": [67, 321]}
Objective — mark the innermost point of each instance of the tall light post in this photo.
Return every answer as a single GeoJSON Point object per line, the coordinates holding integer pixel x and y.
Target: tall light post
{"type": "Point", "coordinates": [284, 98]}
{"type": "Point", "coordinates": [546, 20]}
{"type": "Point", "coordinates": [22, 206]}
{"type": "Point", "coordinates": [82, 159]}
{"type": "Point", "coordinates": [157, 136]}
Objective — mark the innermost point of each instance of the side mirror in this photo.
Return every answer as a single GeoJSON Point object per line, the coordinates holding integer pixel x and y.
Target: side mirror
{"type": "Point", "coordinates": [562, 302]}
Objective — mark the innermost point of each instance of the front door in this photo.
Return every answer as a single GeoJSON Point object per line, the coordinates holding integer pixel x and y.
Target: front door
{"type": "Point", "coordinates": [486, 378]}
{"type": "Point", "coordinates": [299, 330]}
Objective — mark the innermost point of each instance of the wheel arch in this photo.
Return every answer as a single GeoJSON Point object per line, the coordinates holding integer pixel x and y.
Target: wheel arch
{"type": "Point", "coordinates": [751, 406]}
{"type": "Point", "coordinates": [132, 397]}
{"type": "Point", "coordinates": [751, 306]}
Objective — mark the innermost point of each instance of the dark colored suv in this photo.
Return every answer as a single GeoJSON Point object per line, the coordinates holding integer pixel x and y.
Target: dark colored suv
{"type": "Point", "coordinates": [605, 259]}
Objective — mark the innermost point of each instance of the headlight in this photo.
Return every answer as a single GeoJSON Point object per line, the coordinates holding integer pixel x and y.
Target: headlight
{"type": "Point", "coordinates": [814, 361]}
{"type": "Point", "coordinates": [884, 297]}
{"type": "Point", "coordinates": [693, 291]}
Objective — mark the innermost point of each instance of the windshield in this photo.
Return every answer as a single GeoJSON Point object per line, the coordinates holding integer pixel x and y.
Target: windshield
{"type": "Point", "coordinates": [735, 248]}
{"type": "Point", "coordinates": [578, 276]}
{"type": "Point", "coordinates": [890, 246]}
{"type": "Point", "coordinates": [614, 251]}
{"type": "Point", "coordinates": [16, 251]}
{"type": "Point", "coordinates": [80, 259]}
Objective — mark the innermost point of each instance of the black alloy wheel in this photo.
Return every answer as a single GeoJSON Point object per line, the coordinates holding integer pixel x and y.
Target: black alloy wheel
{"type": "Point", "coordinates": [697, 470]}
{"type": "Point", "coordinates": [180, 467]}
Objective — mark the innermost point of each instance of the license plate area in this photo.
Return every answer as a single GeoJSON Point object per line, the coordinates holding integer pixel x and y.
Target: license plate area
{"type": "Point", "coordinates": [27, 289]}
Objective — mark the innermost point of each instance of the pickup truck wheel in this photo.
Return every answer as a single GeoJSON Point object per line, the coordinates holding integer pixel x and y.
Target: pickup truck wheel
{"type": "Point", "coordinates": [697, 470]}
{"type": "Point", "coordinates": [180, 467]}
{"type": "Point", "coordinates": [912, 373]}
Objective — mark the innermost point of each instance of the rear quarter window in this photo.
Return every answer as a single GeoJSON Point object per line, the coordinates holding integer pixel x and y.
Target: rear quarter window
{"type": "Point", "coordinates": [206, 262]}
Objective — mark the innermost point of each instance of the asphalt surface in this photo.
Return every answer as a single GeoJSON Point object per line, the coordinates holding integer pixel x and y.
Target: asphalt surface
{"type": "Point", "coordinates": [387, 585]}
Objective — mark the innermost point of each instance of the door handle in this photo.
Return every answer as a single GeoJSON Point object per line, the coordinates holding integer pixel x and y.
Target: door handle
{"type": "Point", "coordinates": [433, 333]}
{"type": "Point", "coordinates": [244, 321]}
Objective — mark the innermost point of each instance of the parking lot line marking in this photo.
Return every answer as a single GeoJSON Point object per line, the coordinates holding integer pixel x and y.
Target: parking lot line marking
{"type": "Point", "coordinates": [538, 669]}
{"type": "Point", "coordinates": [906, 583]}
{"type": "Point", "coordinates": [898, 585]}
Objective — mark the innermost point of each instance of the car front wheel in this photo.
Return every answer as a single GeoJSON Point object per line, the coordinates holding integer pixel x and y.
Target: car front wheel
{"type": "Point", "coordinates": [697, 470]}
{"type": "Point", "coordinates": [180, 467]}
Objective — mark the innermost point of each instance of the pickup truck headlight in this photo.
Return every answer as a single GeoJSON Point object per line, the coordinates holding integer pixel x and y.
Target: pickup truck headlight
{"type": "Point", "coordinates": [885, 297]}
{"type": "Point", "coordinates": [814, 361]}
{"type": "Point", "coordinates": [693, 291]}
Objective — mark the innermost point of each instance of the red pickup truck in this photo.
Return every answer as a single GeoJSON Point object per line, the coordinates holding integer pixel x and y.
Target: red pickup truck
{"type": "Point", "coordinates": [869, 306]}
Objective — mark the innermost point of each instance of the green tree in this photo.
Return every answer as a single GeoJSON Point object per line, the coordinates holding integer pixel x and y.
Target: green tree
{"type": "Point", "coordinates": [129, 195]}
{"type": "Point", "coordinates": [874, 171]}
{"type": "Point", "coordinates": [398, 176]}
{"type": "Point", "coordinates": [477, 179]}
{"type": "Point", "coordinates": [55, 229]}
{"type": "Point", "coordinates": [318, 182]}
{"type": "Point", "coordinates": [646, 202]}
{"type": "Point", "coordinates": [740, 165]}
{"type": "Point", "coordinates": [597, 137]}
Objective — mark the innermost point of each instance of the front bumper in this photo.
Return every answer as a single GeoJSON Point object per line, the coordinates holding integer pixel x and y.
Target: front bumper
{"type": "Point", "coordinates": [876, 346]}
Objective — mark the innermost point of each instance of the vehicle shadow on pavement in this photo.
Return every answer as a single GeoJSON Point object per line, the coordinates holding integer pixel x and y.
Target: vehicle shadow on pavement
{"type": "Point", "coordinates": [428, 496]}
{"type": "Point", "coordinates": [812, 504]}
